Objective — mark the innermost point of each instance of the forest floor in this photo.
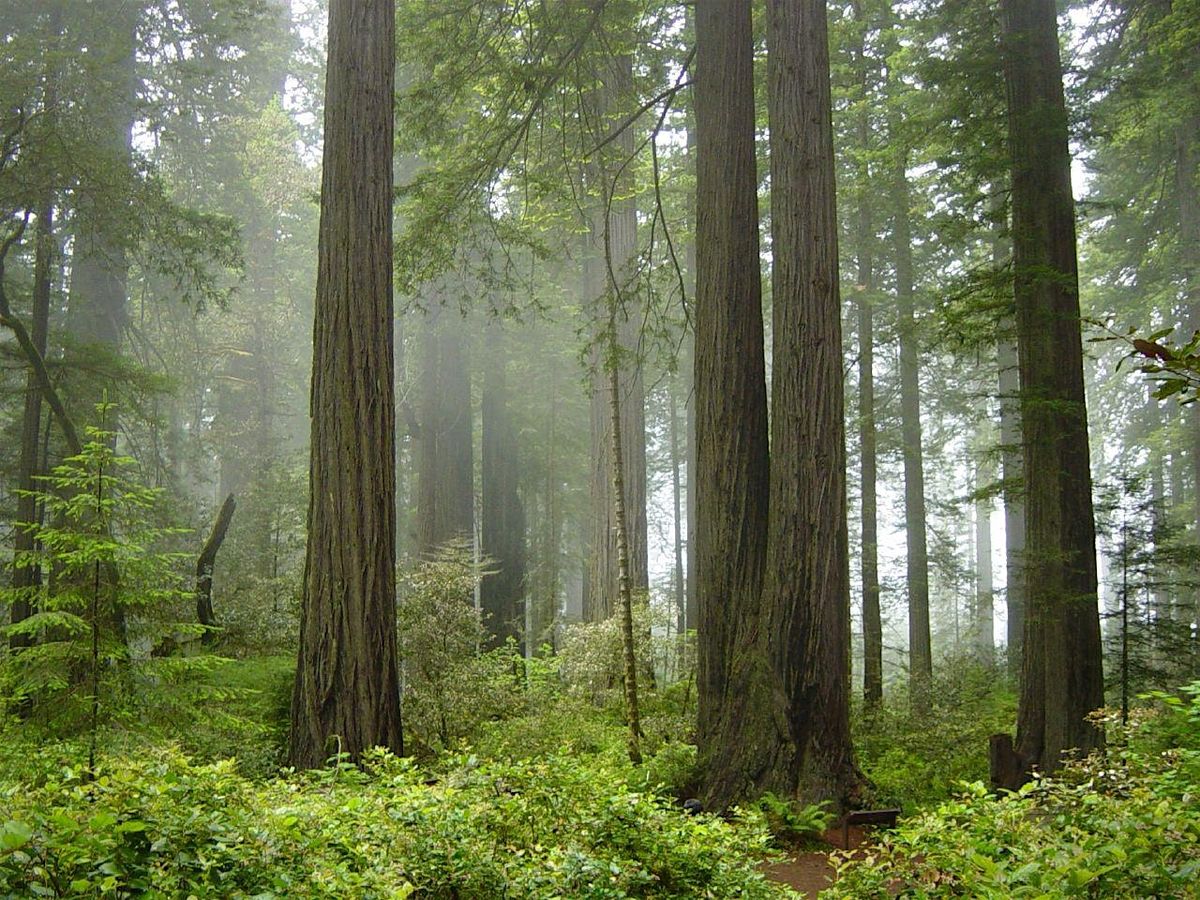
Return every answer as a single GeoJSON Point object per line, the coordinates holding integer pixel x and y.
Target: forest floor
{"type": "Point", "coordinates": [809, 870]}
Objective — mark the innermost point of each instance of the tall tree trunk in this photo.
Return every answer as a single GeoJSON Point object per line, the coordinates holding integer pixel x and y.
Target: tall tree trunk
{"type": "Point", "coordinates": [1008, 387]}
{"type": "Point", "coordinates": [920, 673]}
{"type": "Point", "coordinates": [502, 593]}
{"type": "Point", "coordinates": [346, 694]}
{"type": "Point", "coordinates": [100, 265]}
{"type": "Point", "coordinates": [27, 579]}
{"type": "Point", "coordinates": [692, 609]}
{"type": "Point", "coordinates": [612, 260]}
{"type": "Point", "coordinates": [785, 726]}
{"type": "Point", "coordinates": [864, 246]}
{"type": "Point", "coordinates": [730, 383]}
{"type": "Point", "coordinates": [677, 507]}
{"type": "Point", "coordinates": [984, 625]}
{"type": "Point", "coordinates": [445, 461]}
{"type": "Point", "coordinates": [624, 588]}
{"type": "Point", "coordinates": [1062, 674]}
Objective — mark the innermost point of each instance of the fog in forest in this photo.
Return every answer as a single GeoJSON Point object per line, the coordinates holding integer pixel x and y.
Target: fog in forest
{"type": "Point", "coordinates": [517, 406]}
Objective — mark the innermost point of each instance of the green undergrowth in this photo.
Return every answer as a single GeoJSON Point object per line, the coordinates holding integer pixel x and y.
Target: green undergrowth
{"type": "Point", "coordinates": [913, 759]}
{"type": "Point", "coordinates": [555, 826]}
{"type": "Point", "coordinates": [1123, 824]}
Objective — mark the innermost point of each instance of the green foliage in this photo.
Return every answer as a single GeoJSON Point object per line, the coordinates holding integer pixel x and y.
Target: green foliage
{"type": "Point", "coordinates": [450, 687]}
{"type": "Point", "coordinates": [788, 820]}
{"type": "Point", "coordinates": [115, 593]}
{"type": "Point", "coordinates": [553, 827]}
{"type": "Point", "coordinates": [912, 761]}
{"type": "Point", "coordinates": [592, 664]}
{"type": "Point", "coordinates": [1123, 824]}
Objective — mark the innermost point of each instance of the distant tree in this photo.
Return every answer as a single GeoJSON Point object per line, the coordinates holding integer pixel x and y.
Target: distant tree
{"type": "Point", "coordinates": [1062, 677]}
{"type": "Point", "coordinates": [445, 460]}
{"type": "Point", "coordinates": [346, 691]}
{"type": "Point", "coordinates": [502, 513]}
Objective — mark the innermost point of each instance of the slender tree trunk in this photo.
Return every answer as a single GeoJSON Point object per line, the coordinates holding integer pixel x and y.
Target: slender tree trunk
{"type": "Point", "coordinates": [204, 569]}
{"type": "Point", "coordinates": [919, 646]}
{"type": "Point", "coordinates": [624, 589]}
{"type": "Point", "coordinates": [1062, 675]}
{"type": "Point", "coordinates": [613, 235]}
{"type": "Point", "coordinates": [864, 241]}
{"type": "Point", "coordinates": [730, 382]}
{"type": "Point", "coordinates": [502, 593]}
{"type": "Point", "coordinates": [346, 694]}
{"type": "Point", "coordinates": [676, 497]}
{"type": "Point", "coordinates": [984, 625]}
{"type": "Point", "coordinates": [27, 579]}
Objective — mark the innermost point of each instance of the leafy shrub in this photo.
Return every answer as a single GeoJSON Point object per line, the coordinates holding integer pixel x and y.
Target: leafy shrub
{"type": "Point", "coordinates": [552, 827]}
{"type": "Point", "coordinates": [450, 687]}
{"type": "Point", "coordinates": [912, 760]}
{"type": "Point", "coordinates": [1123, 824]}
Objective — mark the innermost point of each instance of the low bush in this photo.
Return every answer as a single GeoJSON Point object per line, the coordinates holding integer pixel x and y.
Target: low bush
{"type": "Point", "coordinates": [1121, 824]}
{"type": "Point", "coordinates": [552, 827]}
{"type": "Point", "coordinates": [914, 760]}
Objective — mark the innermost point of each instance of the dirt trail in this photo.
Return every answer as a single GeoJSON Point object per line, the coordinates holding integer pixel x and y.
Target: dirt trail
{"type": "Point", "coordinates": [810, 871]}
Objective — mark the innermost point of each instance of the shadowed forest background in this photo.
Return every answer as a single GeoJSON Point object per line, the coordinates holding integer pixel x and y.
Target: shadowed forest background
{"type": "Point", "coordinates": [438, 438]}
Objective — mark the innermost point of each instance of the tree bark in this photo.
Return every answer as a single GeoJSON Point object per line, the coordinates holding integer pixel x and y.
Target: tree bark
{"type": "Point", "coordinates": [502, 593]}
{"type": "Point", "coordinates": [204, 569]}
{"type": "Point", "coordinates": [868, 455]}
{"type": "Point", "coordinates": [920, 673]}
{"type": "Point", "coordinates": [1062, 674]}
{"type": "Point", "coordinates": [346, 695]}
{"type": "Point", "coordinates": [445, 462]}
{"type": "Point", "coordinates": [785, 725]}
{"type": "Point", "coordinates": [730, 383]}
{"type": "Point", "coordinates": [27, 579]}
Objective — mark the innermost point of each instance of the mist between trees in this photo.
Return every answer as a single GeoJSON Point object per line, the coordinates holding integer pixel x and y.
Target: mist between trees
{"type": "Point", "coordinates": [746, 379]}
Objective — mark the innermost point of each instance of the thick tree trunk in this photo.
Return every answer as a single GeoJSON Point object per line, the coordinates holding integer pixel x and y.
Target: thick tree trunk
{"type": "Point", "coordinates": [502, 593]}
{"type": "Point", "coordinates": [920, 673]}
{"type": "Point", "coordinates": [730, 383]}
{"type": "Point", "coordinates": [445, 463]}
{"type": "Point", "coordinates": [100, 265]}
{"type": "Point", "coordinates": [346, 696]}
{"type": "Point", "coordinates": [1062, 675]}
{"type": "Point", "coordinates": [785, 726]}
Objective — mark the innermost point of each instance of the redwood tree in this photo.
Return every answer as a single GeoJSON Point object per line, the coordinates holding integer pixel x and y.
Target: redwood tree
{"type": "Point", "coordinates": [346, 691]}
{"type": "Point", "coordinates": [1062, 679]}
{"type": "Point", "coordinates": [730, 383]}
{"type": "Point", "coordinates": [783, 721]}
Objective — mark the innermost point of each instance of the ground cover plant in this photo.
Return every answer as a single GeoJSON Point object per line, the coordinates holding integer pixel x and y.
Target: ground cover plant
{"type": "Point", "coordinates": [1121, 823]}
